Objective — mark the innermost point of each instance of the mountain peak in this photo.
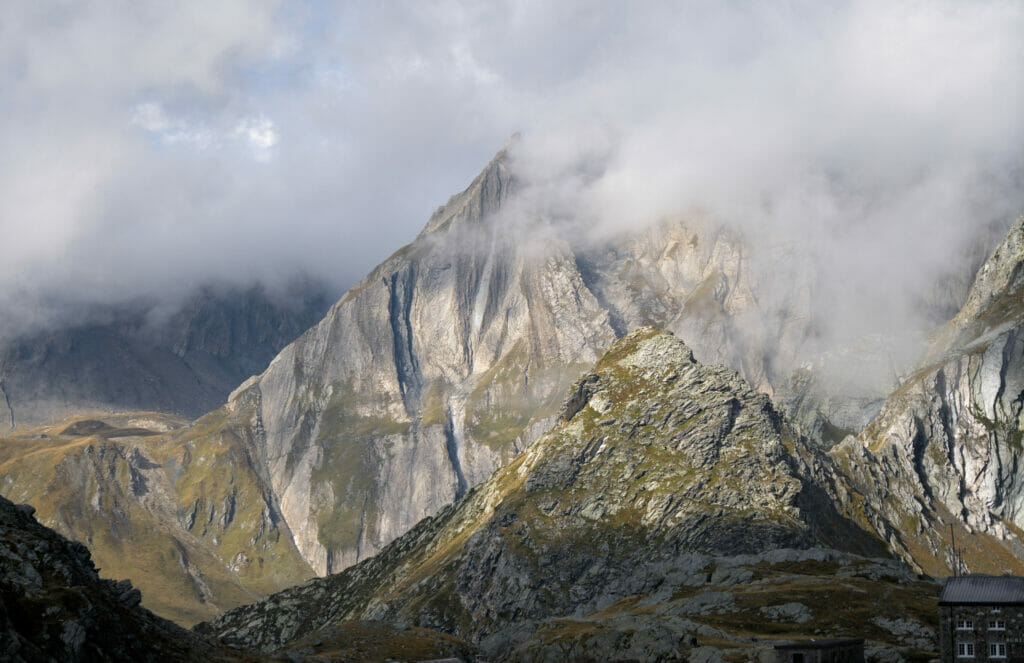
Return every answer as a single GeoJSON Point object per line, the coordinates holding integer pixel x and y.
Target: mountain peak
{"type": "Point", "coordinates": [994, 301]}
{"type": "Point", "coordinates": [484, 196]}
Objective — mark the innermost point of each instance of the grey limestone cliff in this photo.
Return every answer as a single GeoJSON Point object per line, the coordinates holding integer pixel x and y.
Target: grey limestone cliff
{"type": "Point", "coordinates": [422, 380]}
{"type": "Point", "coordinates": [946, 447]}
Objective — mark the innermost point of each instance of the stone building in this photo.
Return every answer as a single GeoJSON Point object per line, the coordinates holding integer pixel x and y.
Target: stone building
{"type": "Point", "coordinates": [981, 618]}
{"type": "Point", "coordinates": [842, 650]}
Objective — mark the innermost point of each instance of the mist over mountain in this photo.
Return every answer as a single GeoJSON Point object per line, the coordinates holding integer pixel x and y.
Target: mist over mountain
{"type": "Point", "coordinates": [870, 139]}
{"type": "Point", "coordinates": [721, 345]}
{"type": "Point", "coordinates": [180, 357]}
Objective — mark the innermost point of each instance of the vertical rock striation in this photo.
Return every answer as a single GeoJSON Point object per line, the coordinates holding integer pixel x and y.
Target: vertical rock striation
{"type": "Point", "coordinates": [946, 449]}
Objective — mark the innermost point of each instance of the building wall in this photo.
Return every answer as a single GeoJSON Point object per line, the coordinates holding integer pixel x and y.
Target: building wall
{"type": "Point", "coordinates": [839, 654]}
{"type": "Point", "coordinates": [980, 634]}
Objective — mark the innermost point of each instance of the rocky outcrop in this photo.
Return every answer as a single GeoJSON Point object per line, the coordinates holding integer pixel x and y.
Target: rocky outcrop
{"type": "Point", "coordinates": [658, 466]}
{"type": "Point", "coordinates": [55, 606]}
{"type": "Point", "coordinates": [946, 448]}
{"type": "Point", "coordinates": [135, 357]}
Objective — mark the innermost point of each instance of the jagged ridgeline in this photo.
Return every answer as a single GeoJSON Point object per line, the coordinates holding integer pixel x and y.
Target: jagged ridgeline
{"type": "Point", "coordinates": [667, 492]}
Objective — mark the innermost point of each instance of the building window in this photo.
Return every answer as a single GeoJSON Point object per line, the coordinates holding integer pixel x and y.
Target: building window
{"type": "Point", "coordinates": [965, 650]}
{"type": "Point", "coordinates": [964, 624]}
{"type": "Point", "coordinates": [997, 625]}
{"type": "Point", "coordinates": [997, 650]}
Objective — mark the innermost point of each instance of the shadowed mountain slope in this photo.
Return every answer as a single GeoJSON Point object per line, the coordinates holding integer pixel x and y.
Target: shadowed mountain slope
{"type": "Point", "coordinates": [130, 358]}
{"type": "Point", "coordinates": [55, 607]}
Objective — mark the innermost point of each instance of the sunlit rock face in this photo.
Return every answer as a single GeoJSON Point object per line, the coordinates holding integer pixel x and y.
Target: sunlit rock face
{"type": "Point", "coordinates": [424, 378]}
{"type": "Point", "coordinates": [946, 447]}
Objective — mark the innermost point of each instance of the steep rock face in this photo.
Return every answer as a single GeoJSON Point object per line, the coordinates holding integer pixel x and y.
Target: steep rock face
{"type": "Point", "coordinates": [451, 357]}
{"type": "Point", "coordinates": [423, 379]}
{"type": "Point", "coordinates": [950, 436]}
{"type": "Point", "coordinates": [130, 358]}
{"type": "Point", "coordinates": [55, 607]}
{"type": "Point", "coordinates": [656, 462]}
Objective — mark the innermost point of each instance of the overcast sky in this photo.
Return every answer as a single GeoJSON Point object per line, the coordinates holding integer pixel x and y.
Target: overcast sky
{"type": "Point", "coordinates": [147, 147]}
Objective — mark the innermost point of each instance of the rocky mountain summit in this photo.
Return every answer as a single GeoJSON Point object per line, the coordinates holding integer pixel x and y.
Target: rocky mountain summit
{"type": "Point", "coordinates": [662, 479]}
{"type": "Point", "coordinates": [135, 357]}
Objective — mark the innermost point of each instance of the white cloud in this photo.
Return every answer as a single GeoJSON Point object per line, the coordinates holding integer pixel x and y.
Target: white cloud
{"type": "Point", "coordinates": [260, 133]}
{"type": "Point", "coordinates": [150, 116]}
{"type": "Point", "coordinates": [147, 147]}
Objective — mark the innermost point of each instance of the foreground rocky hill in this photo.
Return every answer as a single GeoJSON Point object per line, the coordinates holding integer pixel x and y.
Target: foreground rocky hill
{"type": "Point", "coordinates": [55, 607]}
{"type": "Point", "coordinates": [133, 357]}
{"type": "Point", "coordinates": [946, 447]}
{"type": "Point", "coordinates": [663, 482]}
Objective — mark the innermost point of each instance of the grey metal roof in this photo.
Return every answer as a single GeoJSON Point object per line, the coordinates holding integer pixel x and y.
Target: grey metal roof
{"type": "Point", "coordinates": [819, 644]}
{"type": "Point", "coordinates": [979, 589]}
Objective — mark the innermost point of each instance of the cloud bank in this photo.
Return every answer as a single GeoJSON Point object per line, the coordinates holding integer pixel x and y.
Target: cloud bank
{"type": "Point", "coordinates": [147, 149]}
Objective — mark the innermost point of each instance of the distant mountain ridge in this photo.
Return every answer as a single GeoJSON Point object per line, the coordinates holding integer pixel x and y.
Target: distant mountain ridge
{"type": "Point", "coordinates": [182, 362]}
